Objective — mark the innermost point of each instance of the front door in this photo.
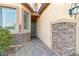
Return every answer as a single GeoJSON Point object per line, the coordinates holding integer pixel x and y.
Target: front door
{"type": "Point", "coordinates": [33, 28]}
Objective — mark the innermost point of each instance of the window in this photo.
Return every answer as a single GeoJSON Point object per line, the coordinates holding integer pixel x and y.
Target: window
{"type": "Point", "coordinates": [0, 18]}
{"type": "Point", "coordinates": [26, 21]}
{"type": "Point", "coordinates": [8, 18]}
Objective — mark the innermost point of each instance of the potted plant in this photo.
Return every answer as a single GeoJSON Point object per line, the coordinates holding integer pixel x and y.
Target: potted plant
{"type": "Point", "coordinates": [5, 40]}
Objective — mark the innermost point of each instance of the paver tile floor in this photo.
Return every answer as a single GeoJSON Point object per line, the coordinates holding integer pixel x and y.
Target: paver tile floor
{"type": "Point", "coordinates": [35, 47]}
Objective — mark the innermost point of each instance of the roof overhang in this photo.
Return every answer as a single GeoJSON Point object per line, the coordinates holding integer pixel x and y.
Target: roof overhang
{"type": "Point", "coordinates": [28, 6]}
{"type": "Point", "coordinates": [43, 7]}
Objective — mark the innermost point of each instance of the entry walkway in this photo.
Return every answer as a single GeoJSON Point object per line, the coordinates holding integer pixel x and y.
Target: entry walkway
{"type": "Point", "coordinates": [34, 47]}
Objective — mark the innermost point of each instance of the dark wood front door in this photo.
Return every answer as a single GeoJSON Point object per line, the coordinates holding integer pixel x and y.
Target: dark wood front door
{"type": "Point", "coordinates": [33, 28]}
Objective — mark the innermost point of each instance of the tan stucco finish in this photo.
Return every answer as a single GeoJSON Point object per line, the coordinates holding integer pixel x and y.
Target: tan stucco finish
{"type": "Point", "coordinates": [53, 13]}
{"type": "Point", "coordinates": [77, 34]}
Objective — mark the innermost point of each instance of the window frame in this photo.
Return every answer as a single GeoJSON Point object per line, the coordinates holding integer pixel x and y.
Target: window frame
{"type": "Point", "coordinates": [23, 13]}
{"type": "Point", "coordinates": [12, 7]}
{"type": "Point", "coordinates": [1, 17]}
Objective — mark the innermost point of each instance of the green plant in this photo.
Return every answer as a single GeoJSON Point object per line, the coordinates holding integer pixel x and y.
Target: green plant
{"type": "Point", "coordinates": [5, 40]}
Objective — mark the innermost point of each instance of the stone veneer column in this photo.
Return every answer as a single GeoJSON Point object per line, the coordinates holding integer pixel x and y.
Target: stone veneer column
{"type": "Point", "coordinates": [20, 38]}
{"type": "Point", "coordinates": [64, 38]}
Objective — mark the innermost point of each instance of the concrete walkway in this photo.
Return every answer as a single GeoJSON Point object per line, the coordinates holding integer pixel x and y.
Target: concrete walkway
{"type": "Point", "coordinates": [34, 47]}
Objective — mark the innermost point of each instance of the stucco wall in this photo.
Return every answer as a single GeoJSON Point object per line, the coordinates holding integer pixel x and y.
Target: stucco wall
{"type": "Point", "coordinates": [19, 10]}
{"type": "Point", "coordinates": [53, 13]}
{"type": "Point", "coordinates": [77, 33]}
{"type": "Point", "coordinates": [19, 36]}
{"type": "Point", "coordinates": [23, 8]}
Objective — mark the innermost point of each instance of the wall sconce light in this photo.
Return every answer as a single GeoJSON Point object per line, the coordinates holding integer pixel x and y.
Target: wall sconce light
{"type": "Point", "coordinates": [74, 9]}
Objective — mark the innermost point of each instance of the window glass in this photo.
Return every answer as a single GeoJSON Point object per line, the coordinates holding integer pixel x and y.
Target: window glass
{"type": "Point", "coordinates": [26, 21]}
{"type": "Point", "coordinates": [8, 18]}
{"type": "Point", "coordinates": [0, 18]}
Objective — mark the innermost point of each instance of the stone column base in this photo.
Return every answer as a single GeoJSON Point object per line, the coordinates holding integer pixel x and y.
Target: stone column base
{"type": "Point", "coordinates": [20, 38]}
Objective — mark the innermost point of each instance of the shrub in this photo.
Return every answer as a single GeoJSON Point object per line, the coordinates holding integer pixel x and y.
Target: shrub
{"type": "Point", "coordinates": [5, 40]}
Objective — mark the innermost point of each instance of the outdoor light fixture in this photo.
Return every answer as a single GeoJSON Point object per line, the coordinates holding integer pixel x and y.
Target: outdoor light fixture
{"type": "Point", "coordinates": [74, 9]}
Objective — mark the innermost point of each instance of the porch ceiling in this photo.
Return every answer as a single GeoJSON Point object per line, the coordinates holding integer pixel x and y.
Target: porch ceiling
{"type": "Point", "coordinates": [38, 8]}
{"type": "Point", "coordinates": [41, 8]}
{"type": "Point", "coordinates": [35, 14]}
